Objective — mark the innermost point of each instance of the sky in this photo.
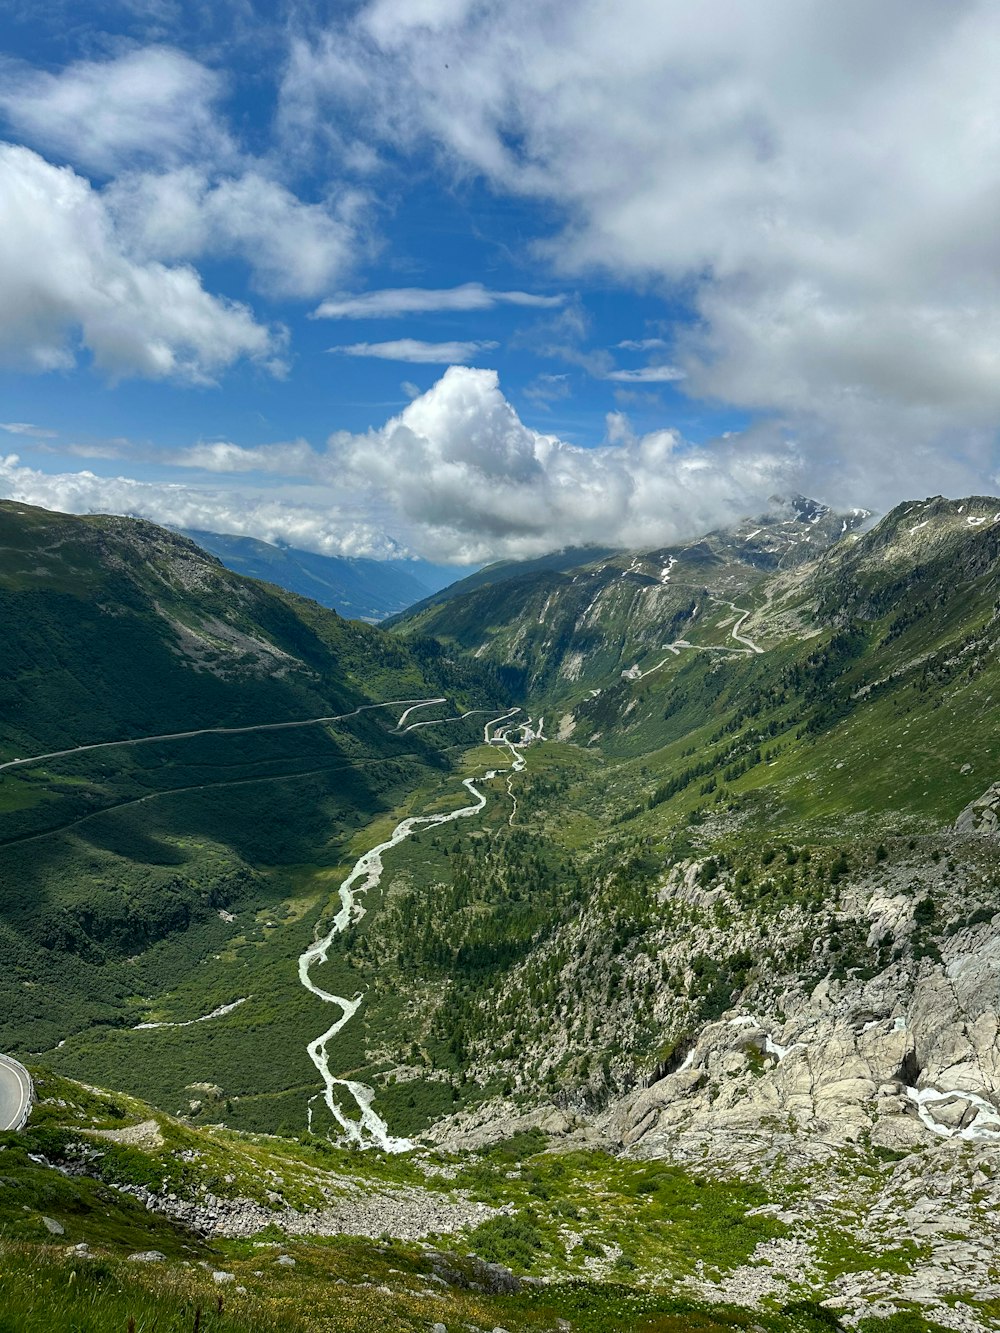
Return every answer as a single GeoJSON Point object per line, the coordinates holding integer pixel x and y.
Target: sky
{"type": "Point", "coordinates": [469, 281]}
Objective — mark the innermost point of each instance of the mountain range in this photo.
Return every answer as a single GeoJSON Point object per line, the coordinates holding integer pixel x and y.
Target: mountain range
{"type": "Point", "coordinates": [668, 956]}
{"type": "Point", "coordinates": [357, 588]}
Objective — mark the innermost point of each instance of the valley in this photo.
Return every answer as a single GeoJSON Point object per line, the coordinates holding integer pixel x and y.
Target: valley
{"type": "Point", "coordinates": [650, 904]}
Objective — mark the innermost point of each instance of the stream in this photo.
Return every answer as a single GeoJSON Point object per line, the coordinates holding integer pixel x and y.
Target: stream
{"type": "Point", "coordinates": [370, 1130]}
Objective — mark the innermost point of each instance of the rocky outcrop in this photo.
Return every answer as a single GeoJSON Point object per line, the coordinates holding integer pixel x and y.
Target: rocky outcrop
{"type": "Point", "coordinates": [491, 1122]}
{"type": "Point", "coordinates": [846, 1061]}
{"type": "Point", "coordinates": [982, 815]}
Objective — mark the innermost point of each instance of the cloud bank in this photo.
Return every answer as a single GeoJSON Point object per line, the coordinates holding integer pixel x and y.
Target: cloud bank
{"type": "Point", "coordinates": [326, 527]}
{"type": "Point", "coordinates": [456, 476]}
{"type": "Point", "coordinates": [817, 185]}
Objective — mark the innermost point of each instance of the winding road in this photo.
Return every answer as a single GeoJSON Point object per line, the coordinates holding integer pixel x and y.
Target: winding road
{"type": "Point", "coordinates": [744, 615]}
{"type": "Point", "coordinates": [15, 1094]}
{"type": "Point", "coordinates": [222, 731]}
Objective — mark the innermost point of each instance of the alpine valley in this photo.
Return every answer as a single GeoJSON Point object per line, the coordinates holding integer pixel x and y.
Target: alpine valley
{"type": "Point", "coordinates": [608, 942]}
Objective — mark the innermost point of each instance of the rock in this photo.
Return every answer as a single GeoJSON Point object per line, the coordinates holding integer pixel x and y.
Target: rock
{"type": "Point", "coordinates": [285, 1260]}
{"type": "Point", "coordinates": [981, 816]}
{"type": "Point", "coordinates": [53, 1227]}
{"type": "Point", "coordinates": [408, 1212]}
{"type": "Point", "coordinates": [475, 1275]}
{"type": "Point", "coordinates": [146, 1134]}
{"type": "Point", "coordinates": [221, 1277]}
{"type": "Point", "coordinates": [438, 1328]}
{"type": "Point", "coordinates": [148, 1257]}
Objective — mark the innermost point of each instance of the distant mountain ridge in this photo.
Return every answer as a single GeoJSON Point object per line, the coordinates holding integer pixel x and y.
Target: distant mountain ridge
{"type": "Point", "coordinates": [356, 588]}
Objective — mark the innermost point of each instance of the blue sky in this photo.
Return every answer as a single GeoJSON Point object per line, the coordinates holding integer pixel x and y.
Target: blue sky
{"type": "Point", "coordinates": [474, 281]}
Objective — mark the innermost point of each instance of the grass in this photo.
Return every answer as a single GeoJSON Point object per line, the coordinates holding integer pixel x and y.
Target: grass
{"type": "Point", "coordinates": [349, 1287]}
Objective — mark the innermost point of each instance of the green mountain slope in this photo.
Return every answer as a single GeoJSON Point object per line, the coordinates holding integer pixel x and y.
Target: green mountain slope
{"type": "Point", "coordinates": [566, 628]}
{"type": "Point", "coordinates": [500, 572]}
{"type": "Point", "coordinates": [135, 872]}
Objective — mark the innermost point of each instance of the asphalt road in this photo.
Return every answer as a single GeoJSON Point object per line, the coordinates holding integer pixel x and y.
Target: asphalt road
{"type": "Point", "coordinates": [221, 731]}
{"type": "Point", "coordinates": [15, 1093]}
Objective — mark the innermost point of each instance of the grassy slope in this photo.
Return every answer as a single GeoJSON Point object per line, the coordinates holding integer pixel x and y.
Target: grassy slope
{"type": "Point", "coordinates": [565, 1213]}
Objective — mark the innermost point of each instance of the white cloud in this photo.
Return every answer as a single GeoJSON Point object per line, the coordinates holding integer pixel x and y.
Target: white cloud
{"type": "Point", "coordinates": [26, 428]}
{"type": "Point", "coordinates": [646, 375]}
{"type": "Point", "coordinates": [153, 105]}
{"type": "Point", "coordinates": [294, 458]}
{"type": "Point", "coordinates": [181, 188]}
{"type": "Point", "coordinates": [471, 482]}
{"type": "Point", "coordinates": [816, 183]}
{"type": "Point", "coordinates": [456, 476]}
{"type": "Point", "coordinates": [293, 248]}
{"type": "Point", "coordinates": [641, 344]}
{"type": "Point", "coordinates": [67, 280]}
{"type": "Point", "coordinates": [393, 302]}
{"type": "Point", "coordinates": [321, 527]}
{"type": "Point", "coordinates": [420, 353]}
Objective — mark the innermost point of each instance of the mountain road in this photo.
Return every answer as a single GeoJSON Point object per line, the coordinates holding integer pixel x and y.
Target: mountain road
{"type": "Point", "coordinates": [15, 1094]}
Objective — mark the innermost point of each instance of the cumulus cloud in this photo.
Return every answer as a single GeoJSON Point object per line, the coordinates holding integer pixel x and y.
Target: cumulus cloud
{"type": "Point", "coordinates": [392, 302]}
{"type": "Point", "coordinates": [421, 353]}
{"type": "Point", "coordinates": [293, 248]}
{"type": "Point", "coordinates": [816, 184]}
{"type": "Point", "coordinates": [321, 527]}
{"type": "Point", "coordinates": [152, 105]}
{"type": "Point", "coordinates": [68, 281]}
{"type": "Point", "coordinates": [181, 188]}
{"type": "Point", "coordinates": [472, 482]}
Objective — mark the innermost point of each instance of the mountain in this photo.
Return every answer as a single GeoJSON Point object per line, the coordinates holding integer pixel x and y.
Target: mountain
{"type": "Point", "coordinates": [679, 1008]}
{"type": "Point", "coordinates": [502, 571]}
{"type": "Point", "coordinates": [567, 626]}
{"type": "Point", "coordinates": [126, 863]}
{"type": "Point", "coordinates": [357, 589]}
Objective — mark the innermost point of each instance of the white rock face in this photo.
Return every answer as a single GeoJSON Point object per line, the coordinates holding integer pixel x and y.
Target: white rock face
{"type": "Point", "coordinates": [908, 1055]}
